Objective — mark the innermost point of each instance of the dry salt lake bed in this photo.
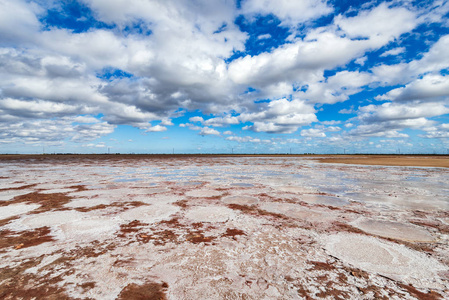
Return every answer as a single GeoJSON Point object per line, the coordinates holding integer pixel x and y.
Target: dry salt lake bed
{"type": "Point", "coordinates": [217, 227]}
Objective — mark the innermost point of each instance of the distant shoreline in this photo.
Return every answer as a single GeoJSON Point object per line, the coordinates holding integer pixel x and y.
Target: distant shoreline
{"type": "Point", "coordinates": [416, 160]}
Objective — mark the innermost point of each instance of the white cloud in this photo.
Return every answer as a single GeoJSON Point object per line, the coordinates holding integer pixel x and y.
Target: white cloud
{"type": "Point", "coordinates": [390, 118]}
{"type": "Point", "coordinates": [246, 139]}
{"type": "Point", "coordinates": [209, 131]}
{"type": "Point", "coordinates": [264, 36]}
{"type": "Point", "coordinates": [176, 54]}
{"type": "Point", "coordinates": [430, 88]}
{"type": "Point", "coordinates": [394, 111]}
{"type": "Point", "coordinates": [361, 60]}
{"type": "Point", "coordinates": [18, 21]}
{"type": "Point", "coordinates": [333, 122]}
{"type": "Point", "coordinates": [332, 128]}
{"type": "Point", "coordinates": [91, 132]}
{"type": "Point", "coordinates": [280, 116]}
{"type": "Point", "coordinates": [156, 128]}
{"type": "Point", "coordinates": [228, 132]}
{"type": "Point", "coordinates": [85, 119]}
{"type": "Point", "coordinates": [393, 52]}
{"type": "Point", "coordinates": [312, 133]}
{"type": "Point", "coordinates": [336, 88]}
{"type": "Point", "coordinates": [222, 121]}
{"type": "Point", "coordinates": [39, 131]}
{"type": "Point", "coordinates": [289, 12]}
{"type": "Point", "coordinates": [196, 119]}
{"type": "Point", "coordinates": [441, 132]}
{"type": "Point", "coordinates": [380, 25]}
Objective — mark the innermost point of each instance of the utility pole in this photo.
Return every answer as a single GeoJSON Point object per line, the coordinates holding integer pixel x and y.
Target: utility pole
{"type": "Point", "coordinates": [109, 150]}
{"type": "Point", "coordinates": [173, 150]}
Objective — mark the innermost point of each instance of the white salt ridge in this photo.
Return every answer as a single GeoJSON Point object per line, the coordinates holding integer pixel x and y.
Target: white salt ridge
{"type": "Point", "coordinates": [10, 194]}
{"type": "Point", "coordinates": [385, 258]}
{"type": "Point", "coordinates": [84, 202]}
{"type": "Point", "coordinates": [51, 186]}
{"type": "Point", "coordinates": [324, 200]}
{"type": "Point", "coordinates": [146, 191]}
{"type": "Point", "coordinates": [293, 211]}
{"type": "Point", "coordinates": [89, 229]}
{"type": "Point", "coordinates": [111, 194]}
{"type": "Point", "coordinates": [395, 230]}
{"type": "Point", "coordinates": [11, 184]}
{"type": "Point", "coordinates": [297, 189]}
{"type": "Point", "coordinates": [241, 200]}
{"type": "Point", "coordinates": [210, 214]}
{"type": "Point", "coordinates": [55, 191]}
{"type": "Point", "coordinates": [203, 193]}
{"type": "Point", "coordinates": [16, 209]}
{"type": "Point", "coordinates": [54, 218]}
{"type": "Point", "coordinates": [150, 214]}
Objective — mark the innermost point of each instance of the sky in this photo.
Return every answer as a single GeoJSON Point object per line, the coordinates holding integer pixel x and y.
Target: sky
{"type": "Point", "coordinates": [224, 76]}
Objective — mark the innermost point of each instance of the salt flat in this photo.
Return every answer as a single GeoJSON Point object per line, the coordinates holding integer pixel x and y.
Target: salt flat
{"type": "Point", "coordinates": [217, 227]}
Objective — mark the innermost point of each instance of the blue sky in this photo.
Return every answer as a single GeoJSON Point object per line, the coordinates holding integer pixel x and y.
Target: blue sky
{"type": "Point", "coordinates": [222, 76]}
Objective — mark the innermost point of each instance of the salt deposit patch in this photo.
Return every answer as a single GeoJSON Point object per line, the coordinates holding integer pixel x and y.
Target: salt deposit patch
{"type": "Point", "coordinates": [395, 230]}
{"type": "Point", "coordinates": [420, 202]}
{"type": "Point", "coordinates": [242, 200]}
{"type": "Point", "coordinates": [90, 229]}
{"type": "Point", "coordinates": [210, 214]}
{"type": "Point", "coordinates": [385, 258]}
{"type": "Point", "coordinates": [84, 202]}
{"type": "Point", "coordinates": [150, 214]}
{"type": "Point", "coordinates": [147, 191]}
{"type": "Point", "coordinates": [16, 209]}
{"type": "Point", "coordinates": [109, 194]}
{"type": "Point", "coordinates": [203, 193]}
{"type": "Point", "coordinates": [325, 200]}
{"type": "Point", "coordinates": [297, 189]}
{"type": "Point", "coordinates": [87, 194]}
{"type": "Point", "coordinates": [51, 218]}
{"type": "Point", "coordinates": [52, 191]}
{"type": "Point", "coordinates": [293, 211]}
{"type": "Point", "coordinates": [9, 195]}
{"type": "Point", "coordinates": [159, 199]}
{"type": "Point", "coordinates": [51, 186]}
{"type": "Point", "coordinates": [10, 184]}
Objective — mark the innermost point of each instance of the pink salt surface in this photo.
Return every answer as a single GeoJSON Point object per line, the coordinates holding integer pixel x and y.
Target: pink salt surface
{"type": "Point", "coordinates": [296, 229]}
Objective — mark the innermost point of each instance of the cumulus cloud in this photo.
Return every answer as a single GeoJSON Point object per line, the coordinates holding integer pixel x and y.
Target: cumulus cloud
{"type": "Point", "coordinates": [336, 88]}
{"type": "Point", "coordinates": [431, 87]}
{"type": "Point", "coordinates": [246, 139]}
{"type": "Point", "coordinates": [196, 119]}
{"type": "Point", "coordinates": [63, 129]}
{"type": "Point", "coordinates": [209, 131]}
{"type": "Point", "coordinates": [289, 12]}
{"type": "Point", "coordinates": [380, 24]}
{"type": "Point", "coordinates": [389, 118]}
{"type": "Point", "coordinates": [312, 132]}
{"type": "Point", "coordinates": [157, 128]}
{"type": "Point", "coordinates": [280, 116]}
{"type": "Point", "coordinates": [440, 132]}
{"type": "Point", "coordinates": [153, 61]}
{"type": "Point", "coordinates": [393, 52]}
